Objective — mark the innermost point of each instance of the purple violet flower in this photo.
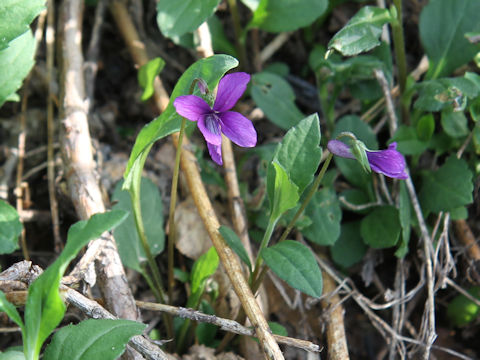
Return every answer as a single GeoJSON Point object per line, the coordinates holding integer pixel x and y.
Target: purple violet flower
{"type": "Point", "coordinates": [212, 122]}
{"type": "Point", "coordinates": [388, 162]}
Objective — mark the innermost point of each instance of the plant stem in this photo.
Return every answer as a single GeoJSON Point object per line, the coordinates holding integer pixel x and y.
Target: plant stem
{"type": "Point", "coordinates": [266, 239]}
{"type": "Point", "coordinates": [171, 216]}
{"type": "Point", "coordinates": [239, 36]}
{"type": "Point", "coordinates": [400, 56]}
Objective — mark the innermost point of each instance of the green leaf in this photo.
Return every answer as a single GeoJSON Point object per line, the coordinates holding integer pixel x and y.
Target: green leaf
{"type": "Point", "coordinates": [443, 25]}
{"type": "Point", "coordinates": [381, 228]}
{"type": "Point", "coordinates": [276, 98]}
{"type": "Point", "coordinates": [147, 74]}
{"type": "Point", "coordinates": [405, 217]}
{"type": "Point", "coordinates": [236, 244]}
{"type": "Point", "coordinates": [435, 95]}
{"type": "Point", "coordinates": [408, 142]}
{"type": "Point", "coordinates": [462, 310]}
{"type": "Point", "coordinates": [272, 15]}
{"type": "Point", "coordinates": [447, 188]}
{"type": "Point", "coordinates": [44, 308]}
{"type": "Point", "coordinates": [11, 311]}
{"type": "Point", "coordinates": [16, 62]}
{"type": "Point", "coordinates": [425, 127]}
{"type": "Point", "coordinates": [277, 329]}
{"type": "Point", "coordinates": [210, 69]}
{"type": "Point", "coordinates": [15, 18]}
{"type": "Point", "coordinates": [10, 228]}
{"type": "Point", "coordinates": [176, 18]}
{"type": "Point", "coordinates": [294, 263]}
{"type": "Point", "coordinates": [12, 355]}
{"type": "Point", "coordinates": [454, 123]}
{"type": "Point", "coordinates": [93, 339]}
{"type": "Point", "coordinates": [220, 42]}
{"type": "Point", "coordinates": [284, 193]}
{"type": "Point", "coordinates": [299, 152]}
{"type": "Point", "coordinates": [349, 249]}
{"type": "Point", "coordinates": [324, 210]}
{"type": "Point", "coordinates": [126, 236]}
{"type": "Point", "coordinates": [362, 32]}
{"type": "Point", "coordinates": [204, 267]}
{"type": "Point", "coordinates": [476, 138]}
{"type": "Point", "coordinates": [353, 171]}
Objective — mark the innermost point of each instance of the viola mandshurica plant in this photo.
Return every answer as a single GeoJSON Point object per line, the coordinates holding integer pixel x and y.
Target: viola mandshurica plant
{"type": "Point", "coordinates": [213, 121]}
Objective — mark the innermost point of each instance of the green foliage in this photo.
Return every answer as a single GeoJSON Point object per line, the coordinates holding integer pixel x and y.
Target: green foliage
{"type": "Point", "coordinates": [381, 228]}
{"type": "Point", "coordinates": [220, 42]}
{"type": "Point", "coordinates": [147, 74]}
{"type": "Point", "coordinates": [294, 263]}
{"type": "Point", "coordinates": [16, 61]}
{"type": "Point", "coordinates": [93, 339]}
{"type": "Point", "coordinates": [461, 310]}
{"type": "Point", "coordinates": [408, 139]}
{"type": "Point", "coordinates": [44, 308]}
{"type": "Point", "coordinates": [236, 244]}
{"type": "Point", "coordinates": [267, 89]}
{"type": "Point", "coordinates": [285, 193]}
{"type": "Point", "coordinates": [204, 267]}
{"type": "Point", "coordinates": [9, 309]}
{"type": "Point", "coordinates": [349, 249]}
{"type": "Point", "coordinates": [11, 228]}
{"type": "Point", "coordinates": [447, 188]}
{"type": "Point", "coordinates": [15, 18]}
{"type": "Point", "coordinates": [443, 25]}
{"type": "Point", "coordinates": [128, 242]}
{"type": "Point", "coordinates": [325, 213]}
{"type": "Point", "coordinates": [272, 15]}
{"type": "Point", "coordinates": [176, 18]}
{"type": "Point", "coordinates": [362, 32]}
{"type": "Point", "coordinates": [405, 217]}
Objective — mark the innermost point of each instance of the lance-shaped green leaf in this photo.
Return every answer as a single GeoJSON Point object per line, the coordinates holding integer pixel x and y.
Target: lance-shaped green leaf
{"type": "Point", "coordinates": [16, 62]}
{"type": "Point", "coordinates": [286, 15]}
{"type": "Point", "coordinates": [10, 226]}
{"type": "Point", "coordinates": [443, 26]}
{"type": "Point", "coordinates": [211, 70]}
{"type": "Point", "coordinates": [204, 267]}
{"type": "Point", "coordinates": [299, 152]}
{"type": "Point", "coordinates": [235, 243]}
{"type": "Point", "coordinates": [447, 188]}
{"type": "Point", "coordinates": [147, 74]}
{"type": "Point", "coordinates": [129, 245]}
{"type": "Point", "coordinates": [282, 192]}
{"type": "Point", "coordinates": [15, 18]}
{"type": "Point", "coordinates": [44, 308]}
{"type": "Point", "coordinates": [93, 339]}
{"type": "Point", "coordinates": [9, 309]}
{"type": "Point", "coordinates": [267, 90]}
{"type": "Point", "coordinates": [362, 32]}
{"type": "Point", "coordinates": [175, 18]}
{"type": "Point", "coordinates": [294, 263]}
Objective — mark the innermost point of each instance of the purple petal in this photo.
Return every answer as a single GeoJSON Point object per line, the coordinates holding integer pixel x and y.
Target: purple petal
{"type": "Point", "coordinates": [191, 107]}
{"type": "Point", "coordinates": [209, 125]}
{"type": "Point", "coordinates": [215, 152]}
{"type": "Point", "coordinates": [230, 89]}
{"type": "Point", "coordinates": [388, 162]}
{"type": "Point", "coordinates": [238, 128]}
{"type": "Point", "coordinates": [339, 148]}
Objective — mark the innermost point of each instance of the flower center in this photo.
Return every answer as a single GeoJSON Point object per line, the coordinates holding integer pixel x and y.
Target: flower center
{"type": "Point", "coordinates": [212, 124]}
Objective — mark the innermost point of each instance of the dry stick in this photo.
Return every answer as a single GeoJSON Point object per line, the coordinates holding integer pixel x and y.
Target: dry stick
{"type": "Point", "coordinates": [50, 41]}
{"type": "Point", "coordinates": [200, 197]}
{"type": "Point", "coordinates": [224, 324]}
{"type": "Point", "coordinates": [466, 237]}
{"type": "Point", "coordinates": [274, 45]}
{"type": "Point", "coordinates": [80, 167]}
{"type": "Point", "coordinates": [336, 338]}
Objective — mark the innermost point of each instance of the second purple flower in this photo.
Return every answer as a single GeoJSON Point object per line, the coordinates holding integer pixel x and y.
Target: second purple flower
{"type": "Point", "coordinates": [213, 121]}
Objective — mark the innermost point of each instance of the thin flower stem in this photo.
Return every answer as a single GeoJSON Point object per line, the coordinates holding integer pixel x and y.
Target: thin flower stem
{"type": "Point", "coordinates": [266, 239]}
{"type": "Point", "coordinates": [309, 196]}
{"type": "Point", "coordinates": [171, 216]}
